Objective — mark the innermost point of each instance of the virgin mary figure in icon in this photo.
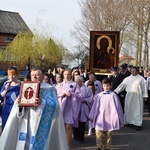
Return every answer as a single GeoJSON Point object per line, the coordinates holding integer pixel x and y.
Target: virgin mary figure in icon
{"type": "Point", "coordinates": [105, 55]}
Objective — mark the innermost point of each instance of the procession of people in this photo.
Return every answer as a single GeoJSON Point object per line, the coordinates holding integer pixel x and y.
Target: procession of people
{"type": "Point", "coordinates": [67, 102]}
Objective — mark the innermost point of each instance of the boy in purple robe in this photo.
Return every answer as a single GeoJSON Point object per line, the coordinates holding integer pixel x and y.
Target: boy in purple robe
{"type": "Point", "coordinates": [106, 115]}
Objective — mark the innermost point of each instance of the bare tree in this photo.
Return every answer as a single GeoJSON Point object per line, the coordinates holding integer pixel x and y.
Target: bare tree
{"type": "Point", "coordinates": [102, 15]}
{"type": "Point", "coordinates": [140, 26]}
{"type": "Point", "coordinates": [80, 55]}
{"type": "Point", "coordinates": [130, 17]}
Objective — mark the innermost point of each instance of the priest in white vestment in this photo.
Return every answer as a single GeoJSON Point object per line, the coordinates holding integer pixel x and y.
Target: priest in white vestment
{"type": "Point", "coordinates": [136, 88]}
{"type": "Point", "coordinates": [36, 128]}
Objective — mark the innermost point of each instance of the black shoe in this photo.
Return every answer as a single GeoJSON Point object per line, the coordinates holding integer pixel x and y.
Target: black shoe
{"type": "Point", "coordinates": [99, 149]}
{"type": "Point", "coordinates": [129, 125]}
{"type": "Point", "coordinates": [138, 128]}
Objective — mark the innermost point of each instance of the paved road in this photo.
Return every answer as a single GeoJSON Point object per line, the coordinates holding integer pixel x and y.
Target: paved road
{"type": "Point", "coordinates": [126, 139]}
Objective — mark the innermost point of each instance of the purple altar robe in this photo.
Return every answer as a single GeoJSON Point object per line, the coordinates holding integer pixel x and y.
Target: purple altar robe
{"type": "Point", "coordinates": [87, 95]}
{"type": "Point", "coordinates": [97, 84]}
{"type": "Point", "coordinates": [70, 106]}
{"type": "Point", "coordinates": [94, 95]}
{"type": "Point", "coordinates": [106, 113]}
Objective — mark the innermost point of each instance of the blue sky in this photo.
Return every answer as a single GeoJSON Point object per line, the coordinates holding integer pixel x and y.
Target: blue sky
{"type": "Point", "coordinates": [59, 15]}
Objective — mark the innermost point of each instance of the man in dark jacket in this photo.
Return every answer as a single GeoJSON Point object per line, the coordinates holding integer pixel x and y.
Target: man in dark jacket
{"type": "Point", "coordinates": [124, 70]}
{"type": "Point", "coordinates": [83, 73]}
{"type": "Point", "coordinates": [116, 78]}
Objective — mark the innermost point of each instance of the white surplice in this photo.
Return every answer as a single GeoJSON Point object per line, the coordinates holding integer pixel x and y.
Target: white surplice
{"type": "Point", "coordinates": [136, 89]}
{"type": "Point", "coordinates": [28, 121]}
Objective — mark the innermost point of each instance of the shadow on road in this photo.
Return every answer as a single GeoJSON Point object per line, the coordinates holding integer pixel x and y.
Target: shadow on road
{"type": "Point", "coordinates": [126, 139]}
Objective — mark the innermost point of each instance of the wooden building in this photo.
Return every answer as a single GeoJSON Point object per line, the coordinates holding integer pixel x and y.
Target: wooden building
{"type": "Point", "coordinates": [11, 23]}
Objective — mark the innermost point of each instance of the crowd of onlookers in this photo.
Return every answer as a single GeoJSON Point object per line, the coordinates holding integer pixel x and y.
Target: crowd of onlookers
{"type": "Point", "coordinates": [105, 103]}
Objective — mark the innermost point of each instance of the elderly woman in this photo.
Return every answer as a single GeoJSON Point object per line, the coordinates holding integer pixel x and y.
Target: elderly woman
{"type": "Point", "coordinates": [9, 92]}
{"type": "Point", "coordinates": [86, 97]}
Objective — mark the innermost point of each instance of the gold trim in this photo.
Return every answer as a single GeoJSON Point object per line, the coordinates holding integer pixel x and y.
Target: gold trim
{"type": "Point", "coordinates": [103, 70]}
{"type": "Point", "coordinates": [109, 43]}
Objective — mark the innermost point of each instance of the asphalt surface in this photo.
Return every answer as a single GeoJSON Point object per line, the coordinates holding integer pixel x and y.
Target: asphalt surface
{"type": "Point", "coordinates": [125, 139]}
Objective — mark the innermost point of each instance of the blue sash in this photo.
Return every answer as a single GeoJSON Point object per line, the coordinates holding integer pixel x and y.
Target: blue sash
{"type": "Point", "coordinates": [39, 141]}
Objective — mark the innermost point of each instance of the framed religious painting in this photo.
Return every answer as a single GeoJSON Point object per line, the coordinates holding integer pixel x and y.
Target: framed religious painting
{"type": "Point", "coordinates": [28, 92]}
{"type": "Point", "coordinates": [104, 51]}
